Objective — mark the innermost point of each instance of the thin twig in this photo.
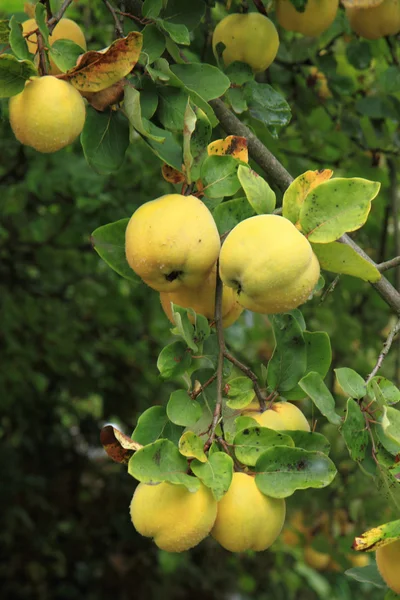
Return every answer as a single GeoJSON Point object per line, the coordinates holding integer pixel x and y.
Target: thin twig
{"type": "Point", "coordinates": [330, 289]}
{"type": "Point", "coordinates": [260, 7]}
{"type": "Point", "coordinates": [202, 387]}
{"type": "Point", "coordinates": [51, 23]}
{"type": "Point", "coordinates": [277, 174]}
{"type": "Point", "coordinates": [118, 26]}
{"type": "Point", "coordinates": [48, 8]}
{"type": "Point", "coordinates": [221, 350]}
{"type": "Point", "coordinates": [42, 54]}
{"type": "Point", "coordinates": [249, 373]}
{"type": "Point", "coordinates": [385, 350]}
{"type": "Point", "coordinates": [389, 264]}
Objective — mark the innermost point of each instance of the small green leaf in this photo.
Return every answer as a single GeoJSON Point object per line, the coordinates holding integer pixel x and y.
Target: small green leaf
{"type": "Point", "coordinates": [17, 41]}
{"type": "Point", "coordinates": [289, 360]}
{"type": "Point", "coordinates": [337, 206]}
{"type": "Point", "coordinates": [251, 442]}
{"type": "Point", "coordinates": [153, 44]}
{"type": "Point", "coordinates": [178, 32]}
{"type": "Point", "coordinates": [351, 382]}
{"type": "Point", "coordinates": [191, 446]}
{"type": "Point", "coordinates": [340, 258]}
{"type": "Point", "coordinates": [174, 360]}
{"type": "Point", "coordinates": [151, 8]}
{"type": "Point", "coordinates": [134, 113]}
{"type": "Point", "coordinates": [169, 151]}
{"type": "Point", "coordinates": [315, 388]}
{"type": "Point", "coordinates": [216, 473]}
{"type": "Point", "coordinates": [161, 461]}
{"type": "Point", "coordinates": [368, 574]}
{"type": "Point", "coordinates": [354, 431]}
{"type": "Point", "coordinates": [13, 75]}
{"type": "Point", "coordinates": [309, 440]}
{"type": "Point", "coordinates": [183, 326]}
{"type": "Point", "coordinates": [260, 196]}
{"type": "Point", "coordinates": [267, 105]}
{"type": "Point", "coordinates": [219, 176]}
{"type": "Point", "coordinates": [206, 80]}
{"type": "Point", "coordinates": [109, 243]}
{"type": "Point", "coordinates": [391, 423]}
{"type": "Point", "coordinates": [65, 54]}
{"type": "Point", "coordinates": [228, 214]}
{"type": "Point", "coordinates": [198, 142]}
{"type": "Point", "coordinates": [105, 139]}
{"type": "Point", "coordinates": [182, 409]}
{"type": "Point", "coordinates": [40, 18]}
{"type": "Point", "coordinates": [182, 11]}
{"type": "Point", "coordinates": [153, 424]}
{"type": "Point", "coordinates": [282, 470]}
{"type": "Point", "coordinates": [383, 391]}
{"type": "Point", "coordinates": [389, 444]}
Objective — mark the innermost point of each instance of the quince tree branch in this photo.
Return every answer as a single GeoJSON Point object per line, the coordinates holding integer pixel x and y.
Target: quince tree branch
{"type": "Point", "coordinates": [385, 350]}
{"type": "Point", "coordinates": [282, 178]}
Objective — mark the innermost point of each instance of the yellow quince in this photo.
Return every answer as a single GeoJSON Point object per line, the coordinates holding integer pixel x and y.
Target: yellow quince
{"type": "Point", "coordinates": [317, 17]}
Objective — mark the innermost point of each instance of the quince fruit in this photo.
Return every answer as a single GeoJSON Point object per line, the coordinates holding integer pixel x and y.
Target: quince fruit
{"type": "Point", "coordinates": [246, 518]}
{"type": "Point", "coordinates": [176, 518]}
{"type": "Point", "coordinates": [269, 264]}
{"type": "Point", "coordinates": [280, 417]}
{"type": "Point", "coordinates": [388, 561]}
{"type": "Point", "coordinates": [317, 17]}
{"type": "Point", "coordinates": [377, 21]}
{"type": "Point", "coordinates": [202, 301]}
{"type": "Point", "coordinates": [172, 242]}
{"type": "Point", "coordinates": [66, 29]}
{"type": "Point", "coordinates": [48, 114]}
{"type": "Point", "coordinates": [250, 38]}
{"type": "Point", "coordinates": [317, 560]}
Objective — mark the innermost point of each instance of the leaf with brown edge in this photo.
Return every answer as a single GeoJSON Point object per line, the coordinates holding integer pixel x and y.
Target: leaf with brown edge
{"type": "Point", "coordinates": [378, 536]}
{"type": "Point", "coordinates": [298, 191]}
{"type": "Point", "coordinates": [232, 145]}
{"type": "Point", "coordinates": [172, 175]}
{"type": "Point", "coordinates": [107, 97]}
{"type": "Point", "coordinates": [97, 71]}
{"type": "Point", "coordinates": [118, 446]}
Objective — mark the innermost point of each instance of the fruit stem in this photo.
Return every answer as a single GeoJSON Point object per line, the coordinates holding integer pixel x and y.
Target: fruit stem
{"type": "Point", "coordinates": [251, 375]}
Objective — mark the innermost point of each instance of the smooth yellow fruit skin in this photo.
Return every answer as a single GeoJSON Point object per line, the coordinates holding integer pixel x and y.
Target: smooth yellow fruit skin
{"type": "Point", "coordinates": [388, 561]}
{"type": "Point", "coordinates": [317, 17]}
{"type": "Point", "coordinates": [48, 114]}
{"type": "Point", "coordinates": [250, 38]}
{"type": "Point", "coordinates": [292, 417]}
{"type": "Point", "coordinates": [66, 29]}
{"type": "Point", "coordinates": [172, 242]}
{"type": "Point", "coordinates": [317, 560]}
{"type": "Point", "coordinates": [246, 518]}
{"type": "Point", "coordinates": [269, 263]}
{"type": "Point", "coordinates": [176, 518]}
{"type": "Point", "coordinates": [269, 418]}
{"type": "Point", "coordinates": [202, 301]}
{"type": "Point", "coordinates": [376, 22]}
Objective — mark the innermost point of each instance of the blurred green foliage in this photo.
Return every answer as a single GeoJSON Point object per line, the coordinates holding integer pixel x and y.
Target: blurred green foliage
{"type": "Point", "coordinates": [79, 349]}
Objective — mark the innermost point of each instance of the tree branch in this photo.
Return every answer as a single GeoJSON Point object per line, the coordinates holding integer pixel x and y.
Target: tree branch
{"type": "Point", "coordinates": [389, 264]}
{"type": "Point", "coordinates": [51, 23]}
{"type": "Point", "coordinates": [280, 176]}
{"type": "Point", "coordinates": [249, 373]}
{"type": "Point", "coordinates": [118, 25]}
{"type": "Point", "coordinates": [386, 347]}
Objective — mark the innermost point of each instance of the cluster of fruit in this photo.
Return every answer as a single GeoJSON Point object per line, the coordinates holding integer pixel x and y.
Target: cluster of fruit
{"type": "Point", "coordinates": [49, 113]}
{"type": "Point", "coordinates": [266, 265]}
{"type": "Point", "coordinates": [244, 519]}
{"type": "Point", "coordinates": [252, 38]}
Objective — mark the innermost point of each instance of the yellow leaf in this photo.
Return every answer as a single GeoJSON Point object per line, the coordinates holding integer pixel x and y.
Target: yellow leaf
{"type": "Point", "coordinates": [378, 536]}
{"type": "Point", "coordinates": [97, 71]}
{"type": "Point", "coordinates": [172, 175]}
{"type": "Point", "coordinates": [118, 446]}
{"type": "Point", "coordinates": [232, 145]}
{"type": "Point", "coordinates": [299, 189]}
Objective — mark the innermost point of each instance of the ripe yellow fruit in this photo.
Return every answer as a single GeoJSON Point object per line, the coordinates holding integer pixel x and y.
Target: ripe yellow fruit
{"type": "Point", "coordinates": [292, 417]}
{"type": "Point", "coordinates": [358, 559]}
{"type": "Point", "coordinates": [202, 301]}
{"type": "Point", "coordinates": [246, 518]}
{"type": "Point", "coordinates": [48, 114]}
{"type": "Point", "coordinates": [269, 418]}
{"type": "Point", "coordinates": [66, 29]}
{"type": "Point", "coordinates": [250, 38]}
{"type": "Point", "coordinates": [388, 561]}
{"type": "Point", "coordinates": [317, 560]}
{"type": "Point", "coordinates": [376, 22]}
{"type": "Point", "coordinates": [172, 242]}
{"type": "Point", "coordinates": [269, 263]}
{"type": "Point", "coordinates": [176, 518]}
{"type": "Point", "coordinates": [317, 17]}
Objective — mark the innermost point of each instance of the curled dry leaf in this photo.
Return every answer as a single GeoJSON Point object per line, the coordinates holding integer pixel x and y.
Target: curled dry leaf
{"type": "Point", "coordinates": [118, 446]}
{"type": "Point", "coordinates": [232, 145]}
{"type": "Point", "coordinates": [96, 71]}
{"type": "Point", "coordinates": [172, 175]}
{"type": "Point", "coordinates": [105, 98]}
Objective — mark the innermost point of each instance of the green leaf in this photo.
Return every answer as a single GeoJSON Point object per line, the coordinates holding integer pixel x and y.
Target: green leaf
{"type": "Point", "coordinates": [298, 190]}
{"type": "Point", "coordinates": [169, 151]}
{"type": "Point", "coordinates": [4, 31]}
{"type": "Point", "coordinates": [40, 18]}
{"type": "Point", "coordinates": [153, 44]}
{"type": "Point", "coordinates": [13, 75]}
{"type": "Point", "coordinates": [267, 105]}
{"type": "Point", "coordinates": [151, 8]}
{"type": "Point", "coordinates": [386, 390]}
{"type": "Point", "coordinates": [178, 32]}
{"type": "Point", "coordinates": [183, 326]}
{"type": "Point", "coordinates": [309, 440]}
{"type": "Point", "coordinates": [359, 54]}
{"type": "Point", "coordinates": [219, 176]}
{"type": "Point", "coordinates": [134, 113]}
{"type": "Point", "coordinates": [240, 392]}
{"type": "Point", "coordinates": [315, 388]}
{"type": "Point", "coordinates": [65, 54]}
{"type": "Point", "coordinates": [105, 139]}
{"type": "Point", "coordinates": [260, 196]}
{"type": "Point", "coordinates": [216, 473]}
{"type": "Point", "coordinates": [191, 446]}
{"type": "Point", "coordinates": [282, 470]}
{"type": "Point", "coordinates": [389, 444]}
{"type": "Point", "coordinates": [377, 537]}
{"type": "Point", "coordinates": [153, 424]}
{"type": "Point", "coordinates": [389, 80]}
{"type": "Point", "coordinates": [184, 12]}
{"type": "Point", "coordinates": [182, 409]}
{"type": "Point", "coordinates": [174, 360]}
{"type": "Point", "coordinates": [206, 80]}
{"type": "Point", "coordinates": [109, 243]}
{"type": "Point", "coordinates": [196, 135]}
{"type": "Point", "coordinates": [161, 461]}
{"type": "Point", "coordinates": [236, 98]}
{"type": "Point", "coordinates": [251, 442]}
{"type": "Point", "coordinates": [337, 206]}
{"type": "Point", "coordinates": [228, 214]}
{"type": "Point", "coordinates": [354, 431]}
{"type": "Point", "coordinates": [391, 423]}
{"type": "Point", "coordinates": [289, 360]}
{"type": "Point", "coordinates": [340, 258]}
{"type": "Point", "coordinates": [17, 41]}
{"type": "Point", "coordinates": [368, 574]}
{"type": "Point", "coordinates": [351, 382]}
{"type": "Point", "coordinates": [239, 73]}
{"type": "Point", "coordinates": [172, 107]}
